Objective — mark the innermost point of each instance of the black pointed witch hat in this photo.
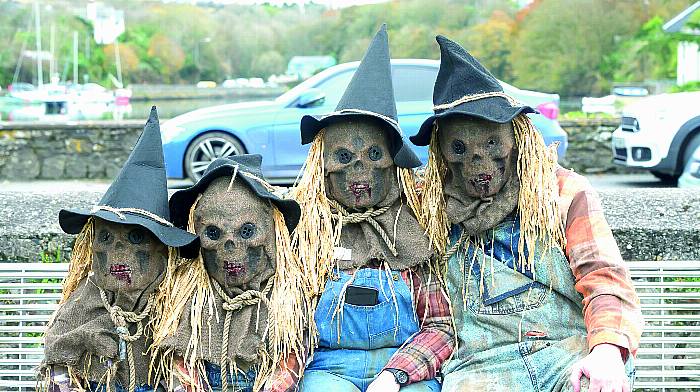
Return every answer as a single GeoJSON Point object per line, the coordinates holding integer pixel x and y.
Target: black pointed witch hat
{"type": "Point", "coordinates": [369, 94]}
{"type": "Point", "coordinates": [465, 87]}
{"type": "Point", "coordinates": [138, 196]}
{"type": "Point", "coordinates": [181, 201]}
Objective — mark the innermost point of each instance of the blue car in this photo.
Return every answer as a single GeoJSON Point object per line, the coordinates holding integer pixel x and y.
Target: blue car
{"type": "Point", "coordinates": [271, 128]}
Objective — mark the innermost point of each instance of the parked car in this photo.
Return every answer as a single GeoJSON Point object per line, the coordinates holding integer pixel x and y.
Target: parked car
{"type": "Point", "coordinates": [659, 133]}
{"type": "Point", "coordinates": [271, 128]}
{"type": "Point", "coordinates": [206, 84]}
{"type": "Point", "coordinates": [691, 175]}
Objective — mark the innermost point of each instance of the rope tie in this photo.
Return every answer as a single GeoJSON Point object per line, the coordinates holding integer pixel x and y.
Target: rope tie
{"type": "Point", "coordinates": [136, 211]}
{"type": "Point", "coordinates": [121, 319]}
{"type": "Point", "coordinates": [455, 247]}
{"type": "Point", "coordinates": [367, 216]}
{"type": "Point", "coordinates": [475, 97]}
{"type": "Point", "coordinates": [230, 305]}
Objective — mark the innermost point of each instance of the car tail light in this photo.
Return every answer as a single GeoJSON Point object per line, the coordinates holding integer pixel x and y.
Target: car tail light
{"type": "Point", "coordinates": [549, 110]}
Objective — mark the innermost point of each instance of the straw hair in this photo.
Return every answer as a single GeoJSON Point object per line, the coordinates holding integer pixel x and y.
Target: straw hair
{"type": "Point", "coordinates": [80, 259]}
{"type": "Point", "coordinates": [540, 221]}
{"type": "Point", "coordinates": [188, 282]}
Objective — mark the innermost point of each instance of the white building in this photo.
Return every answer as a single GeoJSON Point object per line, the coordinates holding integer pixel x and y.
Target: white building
{"type": "Point", "coordinates": [688, 52]}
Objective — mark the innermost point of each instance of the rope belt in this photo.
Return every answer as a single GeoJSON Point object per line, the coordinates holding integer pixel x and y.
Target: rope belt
{"type": "Point", "coordinates": [367, 216]}
{"type": "Point", "coordinates": [230, 305]}
{"type": "Point", "coordinates": [120, 318]}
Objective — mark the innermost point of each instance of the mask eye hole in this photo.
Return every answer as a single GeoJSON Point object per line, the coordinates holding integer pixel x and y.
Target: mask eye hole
{"type": "Point", "coordinates": [247, 230]}
{"type": "Point", "coordinates": [105, 236]}
{"type": "Point", "coordinates": [344, 156]}
{"type": "Point", "coordinates": [375, 153]}
{"type": "Point", "coordinates": [212, 232]}
{"type": "Point", "coordinates": [136, 236]}
{"type": "Point", "coordinates": [458, 147]}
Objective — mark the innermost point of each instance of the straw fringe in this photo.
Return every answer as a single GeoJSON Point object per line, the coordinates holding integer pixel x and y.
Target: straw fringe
{"type": "Point", "coordinates": [432, 212]}
{"type": "Point", "coordinates": [80, 260]}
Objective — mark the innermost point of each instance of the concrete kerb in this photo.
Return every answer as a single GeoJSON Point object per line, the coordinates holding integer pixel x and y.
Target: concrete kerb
{"type": "Point", "coordinates": [649, 224]}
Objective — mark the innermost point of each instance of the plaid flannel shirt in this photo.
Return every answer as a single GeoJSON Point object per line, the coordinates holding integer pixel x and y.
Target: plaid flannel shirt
{"type": "Point", "coordinates": [610, 305]}
{"type": "Point", "coordinates": [421, 357]}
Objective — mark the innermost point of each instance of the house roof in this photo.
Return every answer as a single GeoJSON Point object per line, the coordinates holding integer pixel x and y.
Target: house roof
{"type": "Point", "coordinates": [676, 24]}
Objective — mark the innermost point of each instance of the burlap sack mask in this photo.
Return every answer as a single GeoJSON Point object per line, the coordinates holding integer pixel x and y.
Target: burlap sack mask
{"type": "Point", "coordinates": [128, 264]}
{"type": "Point", "coordinates": [481, 184]}
{"type": "Point", "coordinates": [237, 232]}
{"type": "Point", "coordinates": [359, 175]}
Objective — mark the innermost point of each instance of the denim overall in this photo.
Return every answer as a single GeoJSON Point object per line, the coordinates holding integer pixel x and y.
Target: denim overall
{"type": "Point", "coordinates": [356, 342]}
{"type": "Point", "coordinates": [238, 382]}
{"type": "Point", "coordinates": [518, 334]}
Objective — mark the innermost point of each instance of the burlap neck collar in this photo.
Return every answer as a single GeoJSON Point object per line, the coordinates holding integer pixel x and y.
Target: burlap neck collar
{"type": "Point", "coordinates": [401, 243]}
{"type": "Point", "coordinates": [475, 215]}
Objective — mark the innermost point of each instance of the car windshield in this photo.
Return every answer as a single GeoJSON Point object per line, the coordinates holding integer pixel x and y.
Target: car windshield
{"type": "Point", "coordinates": [305, 85]}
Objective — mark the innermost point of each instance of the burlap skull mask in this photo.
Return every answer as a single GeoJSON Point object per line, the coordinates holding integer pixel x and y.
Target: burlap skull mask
{"type": "Point", "coordinates": [481, 183]}
{"type": "Point", "coordinates": [359, 169]}
{"type": "Point", "coordinates": [237, 234]}
{"type": "Point", "coordinates": [128, 261]}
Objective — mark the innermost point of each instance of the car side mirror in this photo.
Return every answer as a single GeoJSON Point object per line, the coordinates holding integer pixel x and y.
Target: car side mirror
{"type": "Point", "coordinates": [311, 97]}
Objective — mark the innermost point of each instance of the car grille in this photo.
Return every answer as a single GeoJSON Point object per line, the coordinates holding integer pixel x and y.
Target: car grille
{"type": "Point", "coordinates": [620, 154]}
{"type": "Point", "coordinates": [629, 124]}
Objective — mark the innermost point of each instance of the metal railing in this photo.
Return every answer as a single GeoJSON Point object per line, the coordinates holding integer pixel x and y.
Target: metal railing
{"type": "Point", "coordinates": [668, 360]}
{"type": "Point", "coordinates": [29, 293]}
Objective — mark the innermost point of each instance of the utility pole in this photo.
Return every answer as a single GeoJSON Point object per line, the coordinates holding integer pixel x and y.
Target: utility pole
{"type": "Point", "coordinates": [39, 62]}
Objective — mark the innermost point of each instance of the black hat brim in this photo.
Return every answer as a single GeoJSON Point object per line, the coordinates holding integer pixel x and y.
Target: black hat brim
{"type": "Point", "coordinates": [495, 109]}
{"type": "Point", "coordinates": [401, 153]}
{"type": "Point", "coordinates": [73, 221]}
{"type": "Point", "coordinates": [181, 201]}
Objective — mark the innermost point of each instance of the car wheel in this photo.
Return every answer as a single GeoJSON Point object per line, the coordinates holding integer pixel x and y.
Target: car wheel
{"type": "Point", "coordinates": [693, 143]}
{"type": "Point", "coordinates": [206, 148]}
{"type": "Point", "coordinates": [665, 177]}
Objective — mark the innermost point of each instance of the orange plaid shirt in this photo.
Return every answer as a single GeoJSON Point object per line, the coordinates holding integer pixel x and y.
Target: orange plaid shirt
{"type": "Point", "coordinates": [611, 308]}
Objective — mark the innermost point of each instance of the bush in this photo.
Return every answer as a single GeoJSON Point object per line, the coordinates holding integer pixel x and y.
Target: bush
{"type": "Point", "coordinates": [690, 86]}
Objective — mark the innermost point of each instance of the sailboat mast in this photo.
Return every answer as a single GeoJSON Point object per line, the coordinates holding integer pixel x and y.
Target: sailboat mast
{"type": "Point", "coordinates": [39, 62]}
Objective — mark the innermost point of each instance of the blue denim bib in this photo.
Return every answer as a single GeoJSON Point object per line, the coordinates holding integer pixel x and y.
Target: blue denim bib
{"type": "Point", "coordinates": [356, 342]}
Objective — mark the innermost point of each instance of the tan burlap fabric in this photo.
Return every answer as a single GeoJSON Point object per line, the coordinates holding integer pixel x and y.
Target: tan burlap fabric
{"type": "Point", "coordinates": [403, 230]}
{"type": "Point", "coordinates": [82, 336]}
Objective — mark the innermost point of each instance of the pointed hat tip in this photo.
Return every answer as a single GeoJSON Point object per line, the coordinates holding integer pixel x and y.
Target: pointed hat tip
{"type": "Point", "coordinates": [153, 117]}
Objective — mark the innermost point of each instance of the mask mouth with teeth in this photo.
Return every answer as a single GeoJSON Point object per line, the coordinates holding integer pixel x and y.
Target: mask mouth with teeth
{"type": "Point", "coordinates": [358, 164]}
{"type": "Point", "coordinates": [236, 230]}
{"type": "Point", "coordinates": [127, 259]}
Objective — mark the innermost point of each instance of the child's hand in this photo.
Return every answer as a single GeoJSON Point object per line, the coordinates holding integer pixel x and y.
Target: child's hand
{"type": "Point", "coordinates": [384, 382]}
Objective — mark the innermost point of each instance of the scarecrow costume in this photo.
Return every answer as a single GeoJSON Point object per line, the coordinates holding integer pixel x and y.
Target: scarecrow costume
{"type": "Point", "coordinates": [235, 310]}
{"type": "Point", "coordinates": [533, 272]}
{"type": "Point", "coordinates": [98, 337]}
{"type": "Point", "coordinates": [377, 304]}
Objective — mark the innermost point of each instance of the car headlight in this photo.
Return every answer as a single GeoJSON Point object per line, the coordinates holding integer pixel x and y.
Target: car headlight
{"type": "Point", "coordinates": [169, 132]}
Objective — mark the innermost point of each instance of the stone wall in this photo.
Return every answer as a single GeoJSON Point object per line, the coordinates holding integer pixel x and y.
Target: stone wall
{"type": "Point", "coordinates": [67, 150]}
{"type": "Point", "coordinates": [589, 145]}
{"type": "Point", "coordinates": [98, 149]}
{"type": "Point", "coordinates": [649, 224]}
